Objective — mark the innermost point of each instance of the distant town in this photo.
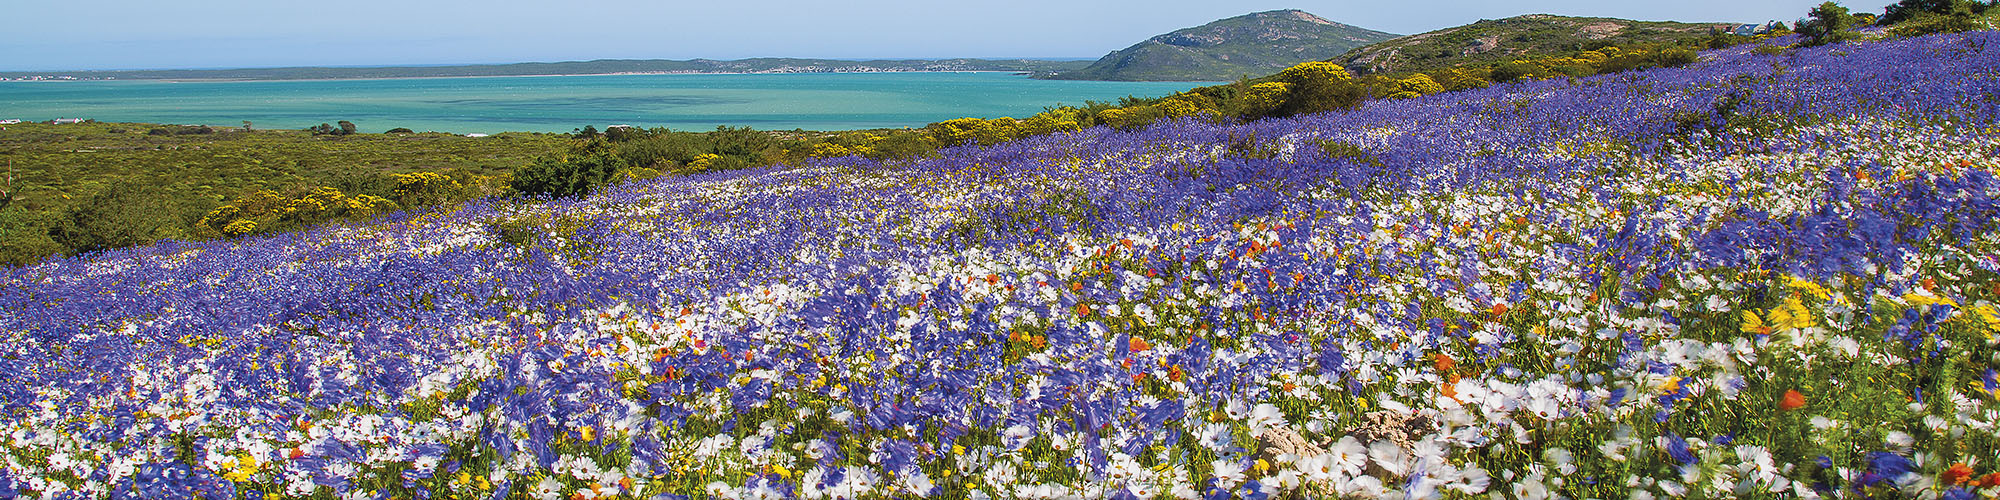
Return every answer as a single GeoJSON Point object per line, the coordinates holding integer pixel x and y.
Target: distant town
{"type": "Point", "coordinates": [50, 78]}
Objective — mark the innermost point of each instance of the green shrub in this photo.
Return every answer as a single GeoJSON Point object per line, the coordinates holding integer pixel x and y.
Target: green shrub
{"type": "Point", "coordinates": [567, 175]}
{"type": "Point", "coordinates": [24, 236]}
{"type": "Point", "coordinates": [1932, 24]}
{"type": "Point", "coordinates": [126, 213]}
{"type": "Point", "coordinates": [1827, 23]}
{"type": "Point", "coordinates": [426, 188]}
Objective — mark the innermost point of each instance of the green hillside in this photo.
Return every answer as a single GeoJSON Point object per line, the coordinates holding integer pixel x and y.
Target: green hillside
{"type": "Point", "coordinates": [1495, 40]}
{"type": "Point", "coordinates": [1251, 44]}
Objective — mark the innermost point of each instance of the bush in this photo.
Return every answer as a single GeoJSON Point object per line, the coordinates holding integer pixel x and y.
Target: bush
{"type": "Point", "coordinates": [1932, 24]}
{"type": "Point", "coordinates": [1419, 85]}
{"type": "Point", "coordinates": [1828, 23]}
{"type": "Point", "coordinates": [566, 175]}
{"type": "Point", "coordinates": [1907, 10]}
{"type": "Point", "coordinates": [426, 188]}
{"type": "Point", "coordinates": [400, 130]}
{"type": "Point", "coordinates": [1314, 72]}
{"type": "Point", "coordinates": [1516, 70]}
{"type": "Point", "coordinates": [345, 128]}
{"type": "Point", "coordinates": [24, 236]}
{"type": "Point", "coordinates": [267, 211]}
{"type": "Point", "coordinates": [127, 213]}
{"type": "Point", "coordinates": [973, 131]}
{"type": "Point", "coordinates": [1454, 80]}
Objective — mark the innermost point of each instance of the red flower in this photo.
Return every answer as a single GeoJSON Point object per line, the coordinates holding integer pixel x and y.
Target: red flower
{"type": "Point", "coordinates": [1792, 401]}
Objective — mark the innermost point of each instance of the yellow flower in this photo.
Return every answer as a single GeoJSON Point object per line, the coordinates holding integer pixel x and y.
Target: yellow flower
{"type": "Point", "coordinates": [1791, 315]}
{"type": "Point", "coordinates": [1806, 286]}
{"type": "Point", "coordinates": [1990, 318]}
{"type": "Point", "coordinates": [245, 467]}
{"type": "Point", "coordinates": [1672, 384]}
{"type": "Point", "coordinates": [1926, 299]}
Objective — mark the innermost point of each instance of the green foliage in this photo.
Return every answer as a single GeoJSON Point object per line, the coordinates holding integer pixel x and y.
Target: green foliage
{"type": "Point", "coordinates": [1253, 44]}
{"type": "Point", "coordinates": [426, 188]}
{"type": "Point", "coordinates": [24, 236]}
{"type": "Point", "coordinates": [1827, 23]}
{"type": "Point", "coordinates": [343, 128]}
{"type": "Point", "coordinates": [266, 211]}
{"type": "Point", "coordinates": [578, 172]}
{"type": "Point", "coordinates": [121, 214]}
{"type": "Point", "coordinates": [1926, 23]}
{"type": "Point", "coordinates": [1416, 86]}
{"type": "Point", "coordinates": [1907, 10]}
{"type": "Point", "coordinates": [400, 130]}
{"type": "Point", "coordinates": [1490, 43]}
{"type": "Point", "coordinates": [972, 131]}
{"type": "Point", "coordinates": [1516, 70]}
{"type": "Point", "coordinates": [1456, 79]}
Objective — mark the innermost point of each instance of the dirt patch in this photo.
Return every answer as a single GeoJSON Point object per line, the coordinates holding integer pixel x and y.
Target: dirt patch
{"type": "Point", "coordinates": [1600, 31]}
{"type": "Point", "coordinates": [1482, 45]}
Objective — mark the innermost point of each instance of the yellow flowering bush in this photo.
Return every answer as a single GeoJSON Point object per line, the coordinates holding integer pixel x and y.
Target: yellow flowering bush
{"type": "Point", "coordinates": [1314, 71]}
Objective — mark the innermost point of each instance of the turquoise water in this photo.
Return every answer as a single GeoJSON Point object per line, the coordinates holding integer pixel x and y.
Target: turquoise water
{"type": "Point", "coordinates": [822, 101]}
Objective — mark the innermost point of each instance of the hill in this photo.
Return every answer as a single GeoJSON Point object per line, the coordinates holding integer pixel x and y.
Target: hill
{"type": "Point", "coordinates": [597, 67]}
{"type": "Point", "coordinates": [1494, 40]}
{"type": "Point", "coordinates": [1252, 44]}
{"type": "Point", "coordinates": [1759, 258]}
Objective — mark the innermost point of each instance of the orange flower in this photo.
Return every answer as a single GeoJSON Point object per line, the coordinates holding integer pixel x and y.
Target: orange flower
{"type": "Point", "coordinates": [1988, 480]}
{"type": "Point", "coordinates": [1443, 362]}
{"type": "Point", "coordinates": [1792, 401]}
{"type": "Point", "coordinates": [1957, 474]}
{"type": "Point", "coordinates": [1140, 345]}
{"type": "Point", "coordinates": [1082, 309]}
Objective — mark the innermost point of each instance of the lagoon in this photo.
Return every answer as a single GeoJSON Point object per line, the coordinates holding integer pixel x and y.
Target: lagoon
{"type": "Point", "coordinates": [811, 101]}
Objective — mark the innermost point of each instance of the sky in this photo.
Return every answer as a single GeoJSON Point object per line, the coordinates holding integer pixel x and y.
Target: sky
{"type": "Point", "coordinates": [38, 35]}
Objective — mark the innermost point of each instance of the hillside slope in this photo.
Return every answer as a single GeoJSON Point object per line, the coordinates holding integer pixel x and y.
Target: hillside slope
{"type": "Point", "coordinates": [1251, 44]}
{"type": "Point", "coordinates": [1494, 40]}
{"type": "Point", "coordinates": [1755, 259]}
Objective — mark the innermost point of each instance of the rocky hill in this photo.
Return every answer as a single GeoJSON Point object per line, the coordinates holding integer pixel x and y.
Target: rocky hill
{"type": "Point", "coordinates": [1494, 40]}
{"type": "Point", "coordinates": [1252, 44]}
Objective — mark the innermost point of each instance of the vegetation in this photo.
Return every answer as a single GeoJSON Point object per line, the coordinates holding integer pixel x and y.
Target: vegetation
{"type": "Point", "coordinates": [1827, 23]}
{"type": "Point", "coordinates": [78, 188]}
{"type": "Point", "coordinates": [1492, 42]}
{"type": "Point", "coordinates": [77, 183]}
{"type": "Point", "coordinates": [1251, 44]}
{"type": "Point", "coordinates": [1929, 17]}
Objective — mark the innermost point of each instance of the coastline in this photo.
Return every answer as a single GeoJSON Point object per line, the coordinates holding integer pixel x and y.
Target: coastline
{"type": "Point", "coordinates": [1024, 73]}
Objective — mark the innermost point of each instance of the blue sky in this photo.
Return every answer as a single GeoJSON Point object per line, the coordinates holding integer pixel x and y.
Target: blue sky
{"type": "Point", "coordinates": [133, 34]}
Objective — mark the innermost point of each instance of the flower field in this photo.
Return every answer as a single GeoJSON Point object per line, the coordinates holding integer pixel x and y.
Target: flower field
{"type": "Point", "coordinates": [1762, 275]}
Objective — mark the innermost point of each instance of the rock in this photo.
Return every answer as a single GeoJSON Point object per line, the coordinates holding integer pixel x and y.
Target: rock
{"type": "Point", "coordinates": [1396, 427]}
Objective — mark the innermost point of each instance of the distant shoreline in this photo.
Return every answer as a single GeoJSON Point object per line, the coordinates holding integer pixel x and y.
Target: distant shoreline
{"type": "Point", "coordinates": [1029, 67]}
{"type": "Point", "coordinates": [628, 73]}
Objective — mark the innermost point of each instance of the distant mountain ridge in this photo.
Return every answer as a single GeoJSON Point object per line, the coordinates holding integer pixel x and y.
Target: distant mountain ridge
{"type": "Point", "coordinates": [1248, 45]}
{"type": "Point", "coordinates": [597, 67]}
{"type": "Point", "coordinates": [1495, 40]}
